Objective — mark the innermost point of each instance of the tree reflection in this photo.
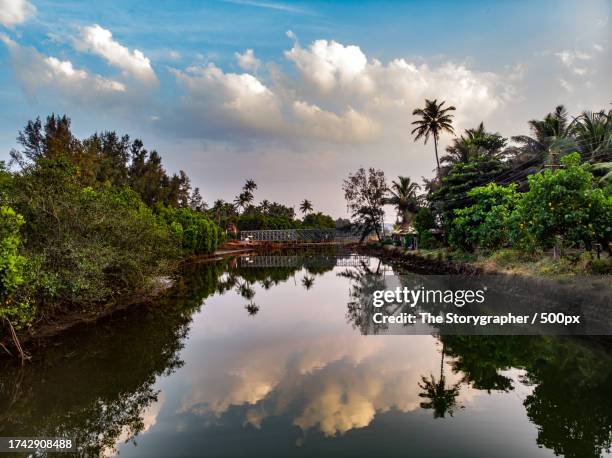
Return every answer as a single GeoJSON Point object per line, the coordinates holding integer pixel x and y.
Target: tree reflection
{"type": "Point", "coordinates": [308, 281]}
{"type": "Point", "coordinates": [570, 403]}
{"type": "Point", "coordinates": [108, 371]}
{"type": "Point", "coordinates": [440, 398]}
{"type": "Point", "coordinates": [360, 309]}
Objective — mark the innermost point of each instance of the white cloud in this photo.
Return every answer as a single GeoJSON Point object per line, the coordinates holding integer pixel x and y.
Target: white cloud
{"type": "Point", "coordinates": [329, 64]}
{"type": "Point", "coordinates": [351, 126]}
{"type": "Point", "coordinates": [568, 57]}
{"type": "Point", "coordinates": [247, 60]}
{"type": "Point", "coordinates": [98, 40]}
{"type": "Point", "coordinates": [13, 12]}
{"type": "Point", "coordinates": [339, 96]}
{"type": "Point", "coordinates": [35, 70]}
{"type": "Point", "coordinates": [566, 85]}
{"type": "Point", "coordinates": [223, 99]}
{"type": "Point", "coordinates": [598, 47]}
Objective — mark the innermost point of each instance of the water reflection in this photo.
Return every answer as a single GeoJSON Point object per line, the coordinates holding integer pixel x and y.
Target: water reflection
{"type": "Point", "coordinates": [267, 355]}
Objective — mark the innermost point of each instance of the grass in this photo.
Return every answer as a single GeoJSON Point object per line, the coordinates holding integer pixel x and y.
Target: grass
{"type": "Point", "coordinates": [510, 260]}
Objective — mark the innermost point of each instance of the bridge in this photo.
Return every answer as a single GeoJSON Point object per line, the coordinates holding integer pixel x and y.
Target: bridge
{"type": "Point", "coordinates": [260, 261]}
{"type": "Point", "coordinates": [299, 236]}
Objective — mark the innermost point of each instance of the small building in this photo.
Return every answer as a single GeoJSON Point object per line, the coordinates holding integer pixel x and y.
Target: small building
{"type": "Point", "coordinates": [406, 236]}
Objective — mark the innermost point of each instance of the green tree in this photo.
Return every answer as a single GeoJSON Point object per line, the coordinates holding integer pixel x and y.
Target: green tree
{"type": "Point", "coordinates": [306, 206]}
{"type": "Point", "coordinates": [403, 197]}
{"type": "Point", "coordinates": [486, 223]}
{"type": "Point", "coordinates": [474, 144]}
{"type": "Point", "coordinates": [434, 120]}
{"type": "Point", "coordinates": [564, 207]}
{"type": "Point", "coordinates": [318, 221]}
{"type": "Point", "coordinates": [18, 311]}
{"type": "Point", "coordinates": [365, 194]}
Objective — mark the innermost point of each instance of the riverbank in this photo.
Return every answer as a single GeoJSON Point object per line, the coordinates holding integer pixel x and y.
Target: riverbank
{"type": "Point", "coordinates": [51, 327]}
{"type": "Point", "coordinates": [505, 261]}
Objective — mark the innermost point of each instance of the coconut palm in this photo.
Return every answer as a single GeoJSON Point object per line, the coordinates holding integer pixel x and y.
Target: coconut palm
{"type": "Point", "coordinates": [403, 197]}
{"type": "Point", "coordinates": [306, 206]}
{"type": "Point", "coordinates": [243, 199]}
{"type": "Point", "coordinates": [550, 138]}
{"type": "Point", "coordinates": [593, 134]}
{"type": "Point", "coordinates": [264, 206]}
{"type": "Point", "coordinates": [434, 119]}
{"type": "Point", "coordinates": [473, 144]}
{"type": "Point", "coordinates": [249, 186]}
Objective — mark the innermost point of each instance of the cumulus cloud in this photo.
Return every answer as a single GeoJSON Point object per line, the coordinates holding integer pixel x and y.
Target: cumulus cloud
{"type": "Point", "coordinates": [229, 100]}
{"type": "Point", "coordinates": [99, 41]}
{"type": "Point", "coordinates": [347, 127]}
{"type": "Point", "coordinates": [340, 382]}
{"type": "Point", "coordinates": [35, 70]}
{"type": "Point", "coordinates": [247, 60]}
{"type": "Point", "coordinates": [339, 96]}
{"type": "Point", "coordinates": [13, 12]}
{"type": "Point", "coordinates": [329, 64]}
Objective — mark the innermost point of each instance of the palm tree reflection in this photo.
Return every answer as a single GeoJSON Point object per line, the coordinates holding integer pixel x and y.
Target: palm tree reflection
{"type": "Point", "coordinates": [308, 281]}
{"type": "Point", "coordinates": [440, 398]}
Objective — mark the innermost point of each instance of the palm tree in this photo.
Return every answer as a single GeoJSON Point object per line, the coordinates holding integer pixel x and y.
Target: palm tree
{"type": "Point", "coordinates": [593, 134]}
{"type": "Point", "coordinates": [249, 186]}
{"type": "Point", "coordinates": [434, 120]}
{"type": "Point", "coordinates": [549, 138]}
{"type": "Point", "coordinates": [217, 209]}
{"type": "Point", "coordinates": [264, 206]}
{"type": "Point", "coordinates": [404, 198]}
{"type": "Point", "coordinates": [475, 143]}
{"type": "Point", "coordinates": [306, 206]}
{"type": "Point", "coordinates": [243, 199]}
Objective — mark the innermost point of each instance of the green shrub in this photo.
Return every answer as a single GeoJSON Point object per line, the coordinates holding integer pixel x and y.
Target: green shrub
{"type": "Point", "coordinates": [563, 205]}
{"type": "Point", "coordinates": [485, 224]}
{"type": "Point", "coordinates": [194, 232]}
{"type": "Point", "coordinates": [13, 306]}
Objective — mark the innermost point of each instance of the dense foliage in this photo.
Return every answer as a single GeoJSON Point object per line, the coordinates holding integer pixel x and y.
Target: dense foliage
{"type": "Point", "coordinates": [484, 224]}
{"type": "Point", "coordinates": [83, 223]}
{"type": "Point", "coordinates": [561, 207]}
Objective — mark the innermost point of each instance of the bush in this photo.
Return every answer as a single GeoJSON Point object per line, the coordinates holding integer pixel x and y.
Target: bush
{"type": "Point", "coordinates": [485, 224]}
{"type": "Point", "coordinates": [18, 310]}
{"type": "Point", "coordinates": [193, 231]}
{"type": "Point", "coordinates": [87, 245]}
{"type": "Point", "coordinates": [318, 221]}
{"type": "Point", "coordinates": [563, 205]}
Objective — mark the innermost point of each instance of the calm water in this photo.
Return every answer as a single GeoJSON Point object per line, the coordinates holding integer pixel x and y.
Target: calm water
{"type": "Point", "coordinates": [263, 357]}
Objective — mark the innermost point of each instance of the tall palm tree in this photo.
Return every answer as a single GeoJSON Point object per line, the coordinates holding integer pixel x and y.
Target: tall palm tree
{"type": "Point", "coordinates": [434, 119]}
{"type": "Point", "coordinates": [403, 197]}
{"type": "Point", "coordinates": [249, 186]}
{"type": "Point", "coordinates": [306, 206]}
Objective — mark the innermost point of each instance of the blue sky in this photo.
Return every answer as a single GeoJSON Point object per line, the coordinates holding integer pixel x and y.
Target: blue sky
{"type": "Point", "coordinates": [327, 86]}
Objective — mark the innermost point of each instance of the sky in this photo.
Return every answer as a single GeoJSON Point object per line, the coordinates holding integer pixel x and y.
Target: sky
{"type": "Point", "coordinates": [296, 95]}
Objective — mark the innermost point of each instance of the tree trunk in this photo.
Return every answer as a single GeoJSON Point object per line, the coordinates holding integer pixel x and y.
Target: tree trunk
{"type": "Point", "coordinates": [436, 149]}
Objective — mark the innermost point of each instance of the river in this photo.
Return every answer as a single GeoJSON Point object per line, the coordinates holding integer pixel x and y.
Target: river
{"type": "Point", "coordinates": [264, 357]}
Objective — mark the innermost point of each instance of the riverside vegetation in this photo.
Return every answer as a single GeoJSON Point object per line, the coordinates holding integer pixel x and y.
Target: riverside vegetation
{"type": "Point", "coordinates": [505, 201]}
{"type": "Point", "coordinates": [87, 223]}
